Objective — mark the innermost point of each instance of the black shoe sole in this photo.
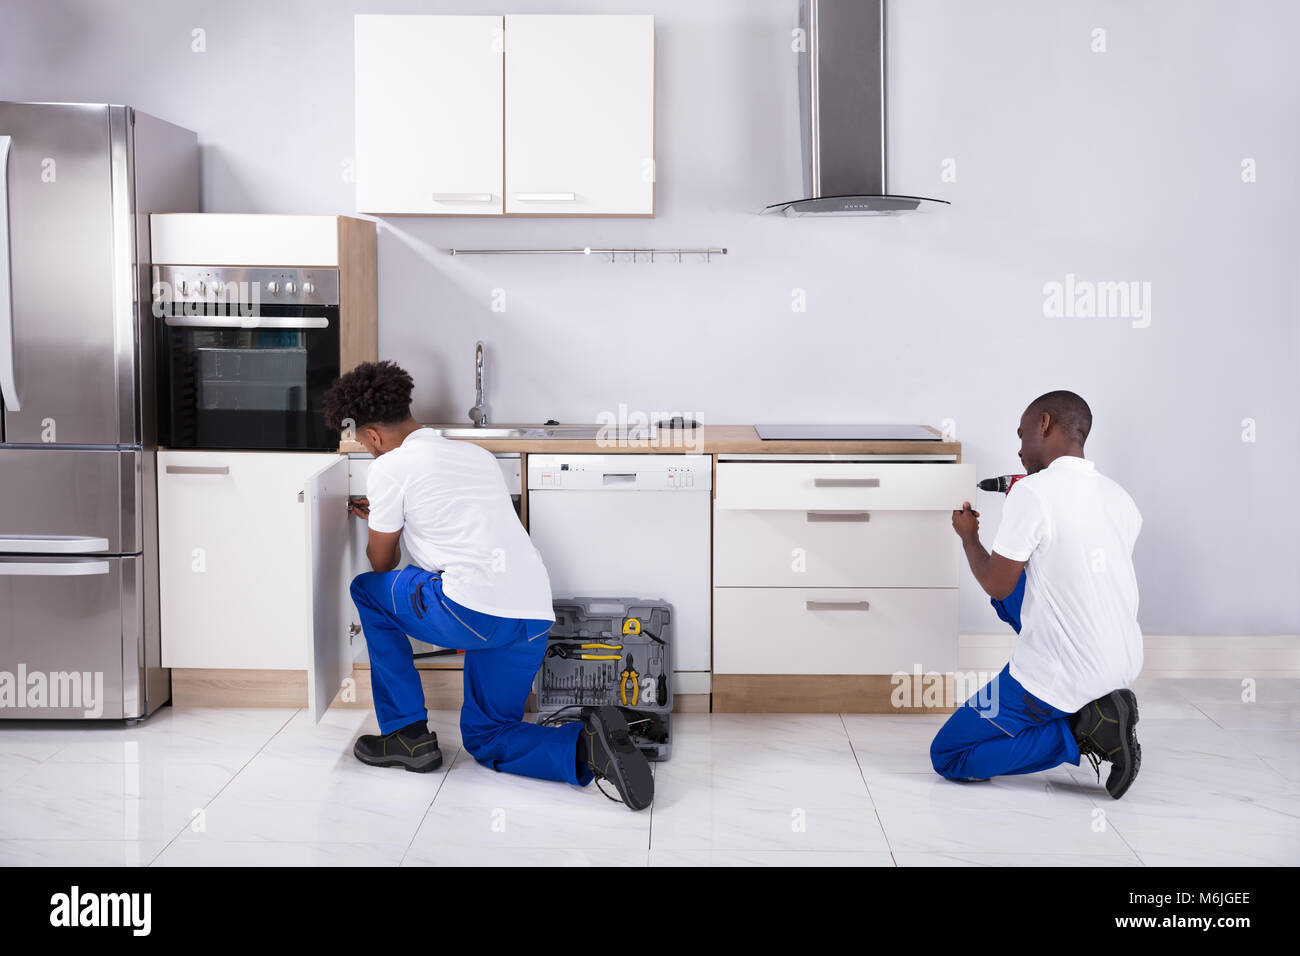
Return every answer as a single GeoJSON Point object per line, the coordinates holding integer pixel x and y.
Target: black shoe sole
{"type": "Point", "coordinates": [1132, 749]}
{"type": "Point", "coordinates": [425, 763]}
{"type": "Point", "coordinates": [628, 768]}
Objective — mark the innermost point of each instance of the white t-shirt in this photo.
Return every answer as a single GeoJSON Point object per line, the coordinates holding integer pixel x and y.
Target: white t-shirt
{"type": "Point", "coordinates": [449, 500]}
{"type": "Point", "coordinates": [1079, 635]}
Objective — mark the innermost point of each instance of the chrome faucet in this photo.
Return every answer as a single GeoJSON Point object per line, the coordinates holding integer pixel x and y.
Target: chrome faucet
{"type": "Point", "coordinates": [478, 414]}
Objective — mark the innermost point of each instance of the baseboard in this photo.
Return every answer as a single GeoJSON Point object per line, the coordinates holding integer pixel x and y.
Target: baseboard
{"type": "Point", "coordinates": [833, 694]}
{"type": "Point", "coordinates": [230, 687]}
{"type": "Point", "coordinates": [443, 689]}
{"type": "Point", "coordinates": [1167, 655]}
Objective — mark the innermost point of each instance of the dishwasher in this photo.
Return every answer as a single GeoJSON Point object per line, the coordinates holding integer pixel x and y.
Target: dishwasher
{"type": "Point", "coordinates": [613, 526]}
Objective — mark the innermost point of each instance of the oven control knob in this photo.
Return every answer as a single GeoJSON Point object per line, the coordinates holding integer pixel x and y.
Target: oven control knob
{"type": "Point", "coordinates": [308, 288]}
{"type": "Point", "coordinates": [273, 287]}
{"type": "Point", "coordinates": [291, 287]}
{"type": "Point", "coordinates": [198, 287]}
{"type": "Point", "coordinates": [214, 286]}
{"type": "Point", "coordinates": [182, 287]}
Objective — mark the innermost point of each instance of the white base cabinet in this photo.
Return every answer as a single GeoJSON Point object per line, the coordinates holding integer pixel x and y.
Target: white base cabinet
{"type": "Point", "coordinates": [255, 558]}
{"type": "Point", "coordinates": [836, 567]}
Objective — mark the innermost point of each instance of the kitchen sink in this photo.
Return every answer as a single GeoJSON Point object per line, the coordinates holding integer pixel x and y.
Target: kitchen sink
{"type": "Point", "coordinates": [571, 432]}
{"type": "Point", "coordinates": [489, 432]}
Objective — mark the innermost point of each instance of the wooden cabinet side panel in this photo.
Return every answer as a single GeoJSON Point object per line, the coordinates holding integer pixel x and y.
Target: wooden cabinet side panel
{"type": "Point", "coordinates": [358, 292]}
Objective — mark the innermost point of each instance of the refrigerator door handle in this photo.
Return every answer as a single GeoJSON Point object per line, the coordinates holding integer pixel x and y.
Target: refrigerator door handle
{"type": "Point", "coordinates": [53, 569]}
{"type": "Point", "coordinates": [8, 382]}
{"type": "Point", "coordinates": [51, 544]}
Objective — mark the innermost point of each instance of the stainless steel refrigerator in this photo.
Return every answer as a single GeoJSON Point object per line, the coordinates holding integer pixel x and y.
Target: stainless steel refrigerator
{"type": "Point", "coordinates": [78, 498]}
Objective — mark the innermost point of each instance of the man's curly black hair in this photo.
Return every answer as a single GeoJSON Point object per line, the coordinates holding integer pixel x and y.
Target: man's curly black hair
{"type": "Point", "coordinates": [373, 393]}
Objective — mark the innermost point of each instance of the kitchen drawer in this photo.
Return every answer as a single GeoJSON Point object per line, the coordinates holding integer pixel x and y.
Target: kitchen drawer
{"type": "Point", "coordinates": [843, 486]}
{"type": "Point", "coordinates": [834, 549]}
{"type": "Point", "coordinates": [834, 630]}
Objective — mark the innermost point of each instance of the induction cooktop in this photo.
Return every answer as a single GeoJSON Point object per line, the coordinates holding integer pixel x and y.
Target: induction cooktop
{"type": "Point", "coordinates": [848, 432]}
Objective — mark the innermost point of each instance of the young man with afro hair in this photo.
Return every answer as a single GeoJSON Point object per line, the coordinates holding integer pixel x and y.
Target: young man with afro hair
{"type": "Point", "coordinates": [475, 583]}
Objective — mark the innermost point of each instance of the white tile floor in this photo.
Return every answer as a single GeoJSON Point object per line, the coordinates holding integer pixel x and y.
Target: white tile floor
{"type": "Point", "coordinates": [1220, 784]}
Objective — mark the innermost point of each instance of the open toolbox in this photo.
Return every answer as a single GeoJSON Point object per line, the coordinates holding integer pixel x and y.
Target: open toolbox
{"type": "Point", "coordinates": [612, 651]}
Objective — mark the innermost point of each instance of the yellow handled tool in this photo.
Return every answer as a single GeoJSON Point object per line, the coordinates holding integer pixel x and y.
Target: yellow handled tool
{"type": "Point", "coordinates": [629, 674]}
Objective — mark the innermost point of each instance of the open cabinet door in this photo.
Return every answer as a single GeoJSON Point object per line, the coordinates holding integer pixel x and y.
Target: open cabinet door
{"type": "Point", "coordinates": [326, 499]}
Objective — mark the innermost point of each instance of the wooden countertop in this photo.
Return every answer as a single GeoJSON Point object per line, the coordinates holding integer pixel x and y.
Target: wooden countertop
{"type": "Point", "coordinates": [706, 440]}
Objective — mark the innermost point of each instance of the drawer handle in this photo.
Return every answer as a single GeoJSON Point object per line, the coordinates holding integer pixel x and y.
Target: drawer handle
{"type": "Point", "coordinates": [837, 605]}
{"type": "Point", "coordinates": [198, 469]}
{"type": "Point", "coordinates": [839, 516]}
{"type": "Point", "coordinates": [846, 482]}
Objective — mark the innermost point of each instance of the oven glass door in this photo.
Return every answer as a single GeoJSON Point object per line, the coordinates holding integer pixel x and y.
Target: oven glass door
{"type": "Point", "coordinates": [240, 383]}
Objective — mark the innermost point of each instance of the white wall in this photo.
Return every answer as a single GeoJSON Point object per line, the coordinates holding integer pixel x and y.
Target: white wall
{"type": "Point", "coordinates": [1123, 165]}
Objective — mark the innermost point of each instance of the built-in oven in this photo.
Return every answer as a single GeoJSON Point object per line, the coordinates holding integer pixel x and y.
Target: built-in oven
{"type": "Point", "coordinates": [245, 355]}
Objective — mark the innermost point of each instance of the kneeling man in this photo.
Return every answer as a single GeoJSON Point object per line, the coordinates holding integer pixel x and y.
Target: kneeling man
{"type": "Point", "coordinates": [1064, 693]}
{"type": "Point", "coordinates": [477, 584]}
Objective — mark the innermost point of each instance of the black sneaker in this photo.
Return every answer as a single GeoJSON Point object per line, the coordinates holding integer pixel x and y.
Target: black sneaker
{"type": "Point", "coordinates": [612, 756]}
{"type": "Point", "coordinates": [419, 754]}
{"type": "Point", "coordinates": [1104, 730]}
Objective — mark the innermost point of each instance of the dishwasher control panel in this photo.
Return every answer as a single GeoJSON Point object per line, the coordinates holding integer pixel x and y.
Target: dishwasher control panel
{"type": "Point", "coordinates": [628, 472]}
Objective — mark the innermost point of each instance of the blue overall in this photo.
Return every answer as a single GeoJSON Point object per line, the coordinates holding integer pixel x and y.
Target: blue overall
{"type": "Point", "coordinates": [1003, 729]}
{"type": "Point", "coordinates": [502, 656]}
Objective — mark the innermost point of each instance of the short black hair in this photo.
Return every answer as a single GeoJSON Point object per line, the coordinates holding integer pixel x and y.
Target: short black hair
{"type": "Point", "coordinates": [373, 393]}
{"type": "Point", "coordinates": [1066, 409]}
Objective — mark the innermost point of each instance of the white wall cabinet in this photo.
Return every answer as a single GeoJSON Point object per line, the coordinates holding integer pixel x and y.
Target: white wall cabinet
{"type": "Point", "coordinates": [255, 557]}
{"type": "Point", "coordinates": [515, 115]}
{"type": "Point", "coordinates": [429, 114]}
{"type": "Point", "coordinates": [579, 111]}
{"type": "Point", "coordinates": [835, 567]}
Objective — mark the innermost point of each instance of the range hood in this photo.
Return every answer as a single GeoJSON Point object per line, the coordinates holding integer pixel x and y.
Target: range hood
{"type": "Point", "coordinates": [842, 113]}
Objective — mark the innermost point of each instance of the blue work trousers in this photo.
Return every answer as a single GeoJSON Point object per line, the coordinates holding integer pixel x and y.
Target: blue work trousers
{"type": "Point", "coordinates": [502, 656]}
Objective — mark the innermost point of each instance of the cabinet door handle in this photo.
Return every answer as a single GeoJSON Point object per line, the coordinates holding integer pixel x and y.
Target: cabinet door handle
{"type": "Point", "coordinates": [198, 469]}
{"type": "Point", "coordinates": [839, 516]}
{"type": "Point", "coordinates": [462, 197]}
{"type": "Point", "coordinates": [545, 197]}
{"type": "Point", "coordinates": [837, 606]}
{"type": "Point", "coordinates": [846, 482]}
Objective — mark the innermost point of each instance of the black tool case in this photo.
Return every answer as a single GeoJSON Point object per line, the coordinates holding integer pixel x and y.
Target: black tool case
{"type": "Point", "coordinates": [566, 684]}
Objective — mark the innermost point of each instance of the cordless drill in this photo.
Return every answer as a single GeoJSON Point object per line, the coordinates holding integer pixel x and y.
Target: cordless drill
{"type": "Point", "coordinates": [1001, 483]}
